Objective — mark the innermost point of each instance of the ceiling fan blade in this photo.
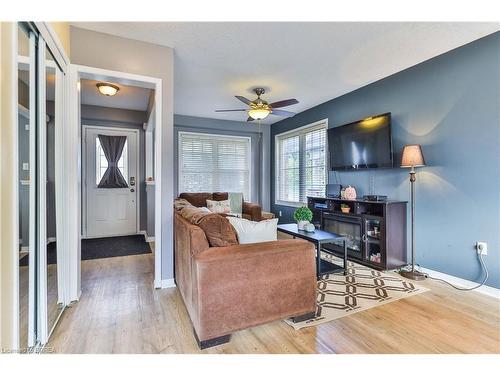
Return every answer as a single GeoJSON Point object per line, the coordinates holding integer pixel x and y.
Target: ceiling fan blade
{"type": "Point", "coordinates": [244, 100]}
{"type": "Point", "coordinates": [249, 119]}
{"type": "Point", "coordinates": [284, 103]}
{"type": "Point", "coordinates": [230, 110]}
{"type": "Point", "coordinates": [280, 112]}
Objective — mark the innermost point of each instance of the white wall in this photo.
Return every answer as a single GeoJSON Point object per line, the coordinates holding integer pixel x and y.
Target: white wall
{"type": "Point", "coordinates": [8, 187]}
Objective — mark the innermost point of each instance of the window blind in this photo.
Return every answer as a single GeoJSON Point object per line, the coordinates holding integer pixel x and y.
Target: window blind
{"type": "Point", "coordinates": [301, 164]}
{"type": "Point", "coordinates": [209, 163]}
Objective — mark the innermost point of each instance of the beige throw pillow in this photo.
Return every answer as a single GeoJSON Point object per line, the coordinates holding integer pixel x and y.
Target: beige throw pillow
{"type": "Point", "coordinates": [219, 207]}
{"type": "Point", "coordinates": [255, 231]}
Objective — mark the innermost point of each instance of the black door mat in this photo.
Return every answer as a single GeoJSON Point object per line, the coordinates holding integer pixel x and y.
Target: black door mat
{"type": "Point", "coordinates": [109, 247]}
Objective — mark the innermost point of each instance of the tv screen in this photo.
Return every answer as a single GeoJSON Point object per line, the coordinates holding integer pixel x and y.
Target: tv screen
{"type": "Point", "coordinates": [362, 144]}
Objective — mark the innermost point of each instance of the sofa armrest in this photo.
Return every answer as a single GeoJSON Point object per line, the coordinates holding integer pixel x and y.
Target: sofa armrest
{"type": "Point", "coordinates": [252, 209]}
{"type": "Point", "coordinates": [242, 286]}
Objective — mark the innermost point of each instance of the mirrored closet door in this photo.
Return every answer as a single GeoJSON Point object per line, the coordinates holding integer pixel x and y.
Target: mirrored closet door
{"type": "Point", "coordinates": [50, 299]}
{"type": "Point", "coordinates": [53, 295]}
{"type": "Point", "coordinates": [27, 187]}
{"type": "Point", "coordinates": [40, 85]}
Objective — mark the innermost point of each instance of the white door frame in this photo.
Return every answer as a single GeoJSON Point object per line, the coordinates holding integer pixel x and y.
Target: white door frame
{"type": "Point", "coordinates": [73, 157]}
{"type": "Point", "coordinates": [84, 169]}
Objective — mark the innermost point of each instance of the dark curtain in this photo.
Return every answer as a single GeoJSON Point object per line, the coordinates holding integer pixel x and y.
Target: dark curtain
{"type": "Point", "coordinates": [113, 148]}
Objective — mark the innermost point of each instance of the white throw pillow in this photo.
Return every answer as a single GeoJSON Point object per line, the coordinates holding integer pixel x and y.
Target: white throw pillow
{"type": "Point", "coordinates": [219, 207]}
{"type": "Point", "coordinates": [255, 231]}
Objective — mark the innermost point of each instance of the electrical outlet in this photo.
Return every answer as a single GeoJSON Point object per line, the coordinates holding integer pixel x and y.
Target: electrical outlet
{"type": "Point", "coordinates": [279, 213]}
{"type": "Point", "coordinates": [482, 248]}
{"type": "Point", "coordinates": [26, 167]}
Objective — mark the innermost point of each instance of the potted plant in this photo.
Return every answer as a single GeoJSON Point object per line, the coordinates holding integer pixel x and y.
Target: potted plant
{"type": "Point", "coordinates": [345, 208]}
{"type": "Point", "coordinates": [303, 215]}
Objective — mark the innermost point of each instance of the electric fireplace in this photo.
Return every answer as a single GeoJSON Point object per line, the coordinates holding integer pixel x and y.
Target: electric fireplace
{"type": "Point", "coordinates": [347, 226]}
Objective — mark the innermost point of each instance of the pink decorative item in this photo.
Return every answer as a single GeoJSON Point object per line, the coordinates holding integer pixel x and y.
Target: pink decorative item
{"type": "Point", "coordinates": [350, 193]}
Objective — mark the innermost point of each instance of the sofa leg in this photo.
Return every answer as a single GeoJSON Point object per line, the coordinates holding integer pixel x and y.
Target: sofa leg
{"type": "Point", "coordinates": [302, 318]}
{"type": "Point", "coordinates": [212, 342]}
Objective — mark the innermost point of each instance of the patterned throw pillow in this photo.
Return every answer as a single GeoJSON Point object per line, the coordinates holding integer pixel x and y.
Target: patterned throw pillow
{"type": "Point", "coordinates": [219, 207]}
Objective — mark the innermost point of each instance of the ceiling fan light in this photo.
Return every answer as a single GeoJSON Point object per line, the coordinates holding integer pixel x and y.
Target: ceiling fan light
{"type": "Point", "coordinates": [107, 89]}
{"type": "Point", "coordinates": [259, 113]}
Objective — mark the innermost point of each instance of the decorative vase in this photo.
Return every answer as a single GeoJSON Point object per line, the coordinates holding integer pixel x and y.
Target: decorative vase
{"type": "Point", "coordinates": [301, 224]}
{"type": "Point", "coordinates": [309, 227]}
{"type": "Point", "coordinates": [350, 193]}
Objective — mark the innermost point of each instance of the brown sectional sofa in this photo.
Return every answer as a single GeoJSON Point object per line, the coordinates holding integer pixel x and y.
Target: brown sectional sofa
{"type": "Point", "coordinates": [230, 288]}
{"type": "Point", "coordinates": [251, 211]}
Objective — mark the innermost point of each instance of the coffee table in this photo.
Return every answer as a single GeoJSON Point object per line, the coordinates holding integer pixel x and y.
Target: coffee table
{"type": "Point", "coordinates": [318, 238]}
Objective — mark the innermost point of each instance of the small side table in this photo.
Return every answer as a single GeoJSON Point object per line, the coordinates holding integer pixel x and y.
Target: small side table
{"type": "Point", "coordinates": [319, 238]}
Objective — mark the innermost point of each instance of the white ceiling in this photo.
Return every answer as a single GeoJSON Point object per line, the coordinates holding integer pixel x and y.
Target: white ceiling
{"type": "Point", "coordinates": [313, 62]}
{"type": "Point", "coordinates": [128, 97]}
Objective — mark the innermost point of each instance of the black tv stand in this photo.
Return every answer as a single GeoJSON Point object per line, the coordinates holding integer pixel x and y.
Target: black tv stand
{"type": "Point", "coordinates": [376, 229]}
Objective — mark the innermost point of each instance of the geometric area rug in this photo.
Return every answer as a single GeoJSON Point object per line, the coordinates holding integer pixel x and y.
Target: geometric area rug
{"type": "Point", "coordinates": [361, 289]}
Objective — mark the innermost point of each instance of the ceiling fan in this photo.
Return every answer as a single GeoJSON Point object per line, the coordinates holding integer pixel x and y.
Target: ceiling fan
{"type": "Point", "coordinates": [259, 109]}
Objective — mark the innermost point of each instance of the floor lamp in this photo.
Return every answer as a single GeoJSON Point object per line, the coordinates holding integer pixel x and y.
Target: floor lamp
{"type": "Point", "coordinates": [412, 158]}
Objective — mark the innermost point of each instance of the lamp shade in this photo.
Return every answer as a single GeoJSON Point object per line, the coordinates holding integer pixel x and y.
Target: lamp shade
{"type": "Point", "coordinates": [412, 156]}
{"type": "Point", "coordinates": [259, 113]}
{"type": "Point", "coordinates": [107, 89]}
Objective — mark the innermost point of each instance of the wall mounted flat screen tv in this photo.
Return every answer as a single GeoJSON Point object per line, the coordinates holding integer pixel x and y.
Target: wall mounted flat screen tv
{"type": "Point", "coordinates": [362, 144]}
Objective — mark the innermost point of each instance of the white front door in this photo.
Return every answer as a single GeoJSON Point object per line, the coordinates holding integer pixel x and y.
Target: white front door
{"type": "Point", "coordinates": [109, 212]}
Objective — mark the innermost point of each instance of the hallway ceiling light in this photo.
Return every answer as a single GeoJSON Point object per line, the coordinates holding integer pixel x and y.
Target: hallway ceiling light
{"type": "Point", "coordinates": [107, 89]}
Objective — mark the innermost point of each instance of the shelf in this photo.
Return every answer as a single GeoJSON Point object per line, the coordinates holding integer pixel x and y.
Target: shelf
{"type": "Point", "coordinates": [328, 268]}
{"type": "Point", "coordinates": [387, 218]}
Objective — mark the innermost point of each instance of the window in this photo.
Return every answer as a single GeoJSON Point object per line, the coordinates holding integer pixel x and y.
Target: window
{"type": "Point", "coordinates": [101, 163]}
{"type": "Point", "coordinates": [214, 163]}
{"type": "Point", "coordinates": [301, 164]}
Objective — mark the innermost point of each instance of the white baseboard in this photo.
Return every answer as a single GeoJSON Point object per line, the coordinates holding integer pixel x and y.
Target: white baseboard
{"type": "Point", "coordinates": [163, 284]}
{"type": "Point", "coordinates": [146, 238]}
{"type": "Point", "coordinates": [462, 283]}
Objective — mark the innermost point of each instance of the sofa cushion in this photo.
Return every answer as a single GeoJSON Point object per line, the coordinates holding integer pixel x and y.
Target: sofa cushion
{"type": "Point", "coordinates": [194, 214]}
{"type": "Point", "coordinates": [219, 196]}
{"type": "Point", "coordinates": [219, 207]}
{"type": "Point", "coordinates": [254, 231]}
{"type": "Point", "coordinates": [218, 230]}
{"type": "Point", "coordinates": [197, 199]}
{"type": "Point", "coordinates": [179, 204]}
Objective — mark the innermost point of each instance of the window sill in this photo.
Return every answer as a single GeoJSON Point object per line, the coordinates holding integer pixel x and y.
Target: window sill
{"type": "Point", "coordinates": [290, 204]}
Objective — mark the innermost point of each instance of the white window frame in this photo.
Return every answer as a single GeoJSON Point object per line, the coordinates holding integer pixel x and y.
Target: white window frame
{"type": "Point", "coordinates": [321, 124]}
{"type": "Point", "coordinates": [179, 165]}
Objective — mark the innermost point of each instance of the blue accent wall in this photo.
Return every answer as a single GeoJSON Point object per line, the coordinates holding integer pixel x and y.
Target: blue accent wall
{"type": "Point", "coordinates": [450, 105]}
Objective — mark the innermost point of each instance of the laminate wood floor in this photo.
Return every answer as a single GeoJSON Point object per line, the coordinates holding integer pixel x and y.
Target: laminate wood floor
{"type": "Point", "coordinates": [120, 312]}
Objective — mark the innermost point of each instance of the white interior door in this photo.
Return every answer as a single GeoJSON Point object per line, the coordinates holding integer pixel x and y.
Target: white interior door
{"type": "Point", "coordinates": [110, 212]}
